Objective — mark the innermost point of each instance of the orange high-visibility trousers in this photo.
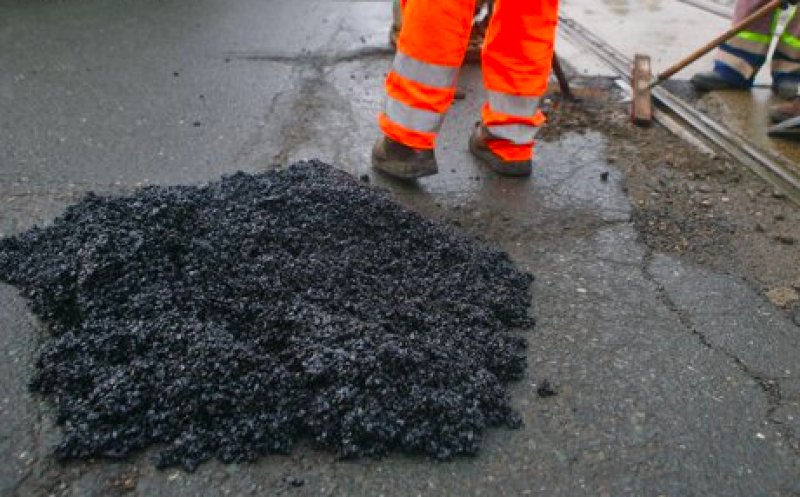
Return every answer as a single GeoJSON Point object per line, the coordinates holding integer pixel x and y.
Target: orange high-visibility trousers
{"type": "Point", "coordinates": [516, 59]}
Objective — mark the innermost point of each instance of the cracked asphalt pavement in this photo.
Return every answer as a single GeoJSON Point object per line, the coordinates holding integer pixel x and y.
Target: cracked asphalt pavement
{"type": "Point", "coordinates": [673, 378]}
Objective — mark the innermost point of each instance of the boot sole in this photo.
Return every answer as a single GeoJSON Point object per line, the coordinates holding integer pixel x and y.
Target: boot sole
{"type": "Point", "coordinates": [488, 158]}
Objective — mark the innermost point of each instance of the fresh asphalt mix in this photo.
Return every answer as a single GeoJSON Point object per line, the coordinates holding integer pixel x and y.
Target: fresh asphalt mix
{"type": "Point", "coordinates": [234, 319]}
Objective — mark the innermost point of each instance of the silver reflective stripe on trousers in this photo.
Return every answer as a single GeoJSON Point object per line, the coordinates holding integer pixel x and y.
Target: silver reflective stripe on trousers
{"type": "Point", "coordinates": [513, 105]}
{"type": "Point", "coordinates": [413, 118]}
{"type": "Point", "coordinates": [519, 134]}
{"type": "Point", "coordinates": [422, 72]}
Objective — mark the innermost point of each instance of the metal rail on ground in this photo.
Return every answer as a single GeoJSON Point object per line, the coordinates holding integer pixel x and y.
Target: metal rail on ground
{"type": "Point", "coordinates": [776, 171]}
{"type": "Point", "coordinates": [710, 7]}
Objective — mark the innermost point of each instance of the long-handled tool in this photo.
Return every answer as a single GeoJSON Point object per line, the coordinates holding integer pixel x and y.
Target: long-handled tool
{"type": "Point", "coordinates": [642, 80]}
{"type": "Point", "coordinates": [563, 83]}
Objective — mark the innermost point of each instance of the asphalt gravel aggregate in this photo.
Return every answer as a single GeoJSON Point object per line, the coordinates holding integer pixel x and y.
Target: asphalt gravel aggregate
{"type": "Point", "coordinates": [233, 319]}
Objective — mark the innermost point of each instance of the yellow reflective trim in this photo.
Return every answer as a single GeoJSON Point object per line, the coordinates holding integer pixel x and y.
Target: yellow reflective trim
{"type": "Point", "coordinates": [755, 37]}
{"type": "Point", "coordinates": [787, 50]}
{"type": "Point", "coordinates": [790, 40]}
{"type": "Point", "coordinates": [753, 47]}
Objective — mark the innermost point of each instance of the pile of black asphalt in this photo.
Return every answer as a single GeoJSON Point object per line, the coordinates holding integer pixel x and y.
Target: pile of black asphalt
{"type": "Point", "coordinates": [233, 319]}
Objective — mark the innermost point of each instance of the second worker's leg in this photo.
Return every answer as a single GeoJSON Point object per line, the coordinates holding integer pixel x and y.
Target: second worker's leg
{"type": "Point", "coordinates": [786, 59]}
{"type": "Point", "coordinates": [739, 59]}
{"type": "Point", "coordinates": [517, 58]}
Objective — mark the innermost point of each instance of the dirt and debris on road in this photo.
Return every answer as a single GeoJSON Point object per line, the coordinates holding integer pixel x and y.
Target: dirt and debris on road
{"type": "Point", "coordinates": [709, 209]}
{"type": "Point", "coordinates": [233, 319]}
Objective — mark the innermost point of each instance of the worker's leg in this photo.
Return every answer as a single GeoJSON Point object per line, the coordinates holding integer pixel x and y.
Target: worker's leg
{"type": "Point", "coordinates": [473, 53]}
{"type": "Point", "coordinates": [421, 84]}
{"type": "Point", "coordinates": [517, 58]}
{"type": "Point", "coordinates": [786, 59]}
{"type": "Point", "coordinates": [739, 59]}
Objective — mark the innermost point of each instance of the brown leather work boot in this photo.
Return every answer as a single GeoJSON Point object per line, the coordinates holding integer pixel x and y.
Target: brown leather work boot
{"type": "Point", "coordinates": [782, 112]}
{"type": "Point", "coordinates": [402, 162]}
{"type": "Point", "coordinates": [479, 148]}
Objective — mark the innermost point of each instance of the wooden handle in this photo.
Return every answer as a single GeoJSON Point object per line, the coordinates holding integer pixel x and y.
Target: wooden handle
{"type": "Point", "coordinates": [563, 84]}
{"type": "Point", "coordinates": [719, 40]}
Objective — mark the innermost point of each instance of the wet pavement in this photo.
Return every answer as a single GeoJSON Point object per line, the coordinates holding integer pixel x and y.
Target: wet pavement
{"type": "Point", "coordinates": [673, 378]}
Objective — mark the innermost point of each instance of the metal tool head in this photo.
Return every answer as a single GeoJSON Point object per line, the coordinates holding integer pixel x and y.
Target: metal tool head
{"type": "Point", "coordinates": [641, 103]}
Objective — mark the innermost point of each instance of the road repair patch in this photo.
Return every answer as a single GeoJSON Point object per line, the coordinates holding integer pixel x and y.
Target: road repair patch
{"type": "Point", "coordinates": [233, 319]}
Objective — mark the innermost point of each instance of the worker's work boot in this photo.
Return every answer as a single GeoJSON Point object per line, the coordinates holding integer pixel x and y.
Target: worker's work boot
{"type": "Point", "coordinates": [785, 88]}
{"type": "Point", "coordinates": [399, 161]}
{"type": "Point", "coordinates": [712, 81]}
{"type": "Point", "coordinates": [479, 148]}
{"type": "Point", "coordinates": [782, 112]}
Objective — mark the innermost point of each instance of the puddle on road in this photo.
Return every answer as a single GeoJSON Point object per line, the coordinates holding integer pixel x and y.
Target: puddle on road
{"type": "Point", "coordinates": [571, 177]}
{"type": "Point", "coordinates": [748, 114]}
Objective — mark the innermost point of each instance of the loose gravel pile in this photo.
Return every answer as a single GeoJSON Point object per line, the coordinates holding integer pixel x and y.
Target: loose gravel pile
{"type": "Point", "coordinates": [233, 319]}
